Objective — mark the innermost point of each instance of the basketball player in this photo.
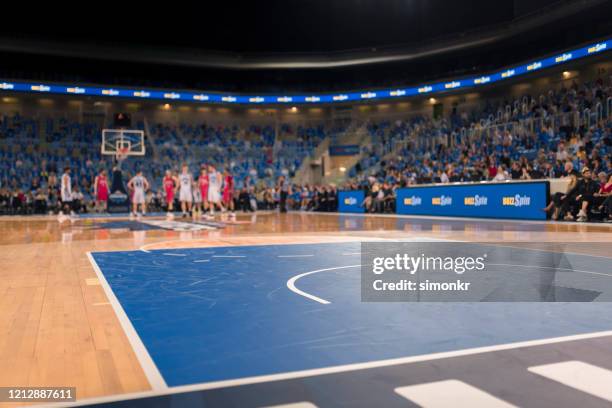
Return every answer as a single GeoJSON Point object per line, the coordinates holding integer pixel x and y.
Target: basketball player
{"type": "Point", "coordinates": [170, 183]}
{"type": "Point", "coordinates": [185, 195]}
{"type": "Point", "coordinates": [228, 191]}
{"type": "Point", "coordinates": [214, 186]}
{"type": "Point", "coordinates": [139, 185]}
{"type": "Point", "coordinates": [203, 185]}
{"type": "Point", "coordinates": [101, 190]}
{"type": "Point", "coordinates": [66, 193]}
{"type": "Point", "coordinates": [197, 200]}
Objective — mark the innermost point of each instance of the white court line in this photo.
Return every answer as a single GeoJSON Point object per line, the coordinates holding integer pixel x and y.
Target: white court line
{"type": "Point", "coordinates": [450, 393]}
{"type": "Point", "coordinates": [291, 283]}
{"type": "Point", "coordinates": [294, 289]}
{"type": "Point", "coordinates": [351, 253]}
{"type": "Point", "coordinates": [155, 378]}
{"type": "Point", "coordinates": [229, 256]}
{"type": "Point", "coordinates": [201, 260]}
{"type": "Point", "coordinates": [171, 254]}
{"type": "Point", "coordinates": [294, 256]}
{"type": "Point", "coordinates": [582, 376]}
{"type": "Point", "coordinates": [331, 370]}
{"type": "Point", "coordinates": [301, 404]}
{"type": "Point", "coordinates": [443, 218]}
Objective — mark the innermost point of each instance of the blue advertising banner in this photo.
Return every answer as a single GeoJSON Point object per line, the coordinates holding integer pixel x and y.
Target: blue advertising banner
{"type": "Point", "coordinates": [482, 200]}
{"type": "Point", "coordinates": [343, 150]}
{"type": "Point", "coordinates": [350, 201]}
{"type": "Point", "coordinates": [552, 60]}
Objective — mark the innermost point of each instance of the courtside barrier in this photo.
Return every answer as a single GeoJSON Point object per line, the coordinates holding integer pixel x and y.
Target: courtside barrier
{"type": "Point", "coordinates": [514, 200]}
{"type": "Point", "coordinates": [351, 201]}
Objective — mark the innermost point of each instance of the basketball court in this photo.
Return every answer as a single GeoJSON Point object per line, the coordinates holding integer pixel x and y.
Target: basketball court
{"type": "Point", "coordinates": [307, 205]}
{"type": "Point", "coordinates": [266, 310]}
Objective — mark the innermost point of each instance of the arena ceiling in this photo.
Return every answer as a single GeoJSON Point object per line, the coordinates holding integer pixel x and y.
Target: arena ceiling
{"type": "Point", "coordinates": [285, 45]}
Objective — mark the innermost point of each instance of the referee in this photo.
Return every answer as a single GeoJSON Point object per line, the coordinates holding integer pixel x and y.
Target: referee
{"type": "Point", "coordinates": [283, 188]}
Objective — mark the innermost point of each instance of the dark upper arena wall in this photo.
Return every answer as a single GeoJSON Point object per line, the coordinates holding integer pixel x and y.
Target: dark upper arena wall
{"type": "Point", "coordinates": [294, 46]}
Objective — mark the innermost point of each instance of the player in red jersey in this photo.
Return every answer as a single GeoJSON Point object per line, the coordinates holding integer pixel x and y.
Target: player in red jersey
{"type": "Point", "coordinates": [228, 191]}
{"type": "Point", "coordinates": [101, 190]}
{"type": "Point", "coordinates": [203, 183]}
{"type": "Point", "coordinates": [170, 183]}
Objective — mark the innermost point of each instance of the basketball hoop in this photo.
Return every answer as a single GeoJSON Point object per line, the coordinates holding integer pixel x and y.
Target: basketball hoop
{"type": "Point", "coordinates": [122, 153]}
{"type": "Point", "coordinates": [122, 143]}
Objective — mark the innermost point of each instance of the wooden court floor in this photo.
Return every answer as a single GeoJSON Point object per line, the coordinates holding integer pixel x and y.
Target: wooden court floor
{"type": "Point", "coordinates": [57, 327]}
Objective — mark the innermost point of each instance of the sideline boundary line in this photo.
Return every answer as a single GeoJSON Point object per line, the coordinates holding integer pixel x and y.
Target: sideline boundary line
{"type": "Point", "coordinates": [332, 370]}
{"type": "Point", "coordinates": [156, 380]}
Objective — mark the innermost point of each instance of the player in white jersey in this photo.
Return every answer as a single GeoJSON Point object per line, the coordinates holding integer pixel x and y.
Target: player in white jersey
{"type": "Point", "coordinates": [185, 195]}
{"type": "Point", "coordinates": [197, 199]}
{"type": "Point", "coordinates": [66, 193]}
{"type": "Point", "coordinates": [140, 185]}
{"type": "Point", "coordinates": [214, 189]}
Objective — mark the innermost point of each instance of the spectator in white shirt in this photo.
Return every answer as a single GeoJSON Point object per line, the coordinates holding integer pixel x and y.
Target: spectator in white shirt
{"type": "Point", "coordinates": [502, 174]}
{"type": "Point", "coordinates": [561, 152]}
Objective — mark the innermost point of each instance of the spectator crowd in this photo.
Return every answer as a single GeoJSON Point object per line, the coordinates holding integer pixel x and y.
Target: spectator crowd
{"type": "Point", "coordinates": [566, 133]}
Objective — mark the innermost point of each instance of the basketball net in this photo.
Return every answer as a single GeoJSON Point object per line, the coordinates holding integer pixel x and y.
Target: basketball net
{"type": "Point", "coordinates": [122, 154]}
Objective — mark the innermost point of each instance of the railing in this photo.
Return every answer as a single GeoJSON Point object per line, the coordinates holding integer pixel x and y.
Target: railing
{"type": "Point", "coordinates": [428, 135]}
{"type": "Point", "coordinates": [586, 117]}
{"type": "Point", "coordinates": [575, 119]}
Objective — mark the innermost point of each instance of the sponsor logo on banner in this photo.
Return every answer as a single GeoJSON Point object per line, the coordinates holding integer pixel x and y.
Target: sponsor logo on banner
{"type": "Point", "coordinates": [75, 90]}
{"type": "Point", "coordinates": [413, 201]}
{"type": "Point", "coordinates": [476, 200]}
{"type": "Point", "coordinates": [535, 65]}
{"type": "Point", "coordinates": [451, 85]}
{"type": "Point", "coordinates": [564, 57]}
{"type": "Point", "coordinates": [516, 201]}
{"type": "Point", "coordinates": [442, 201]}
{"type": "Point", "coordinates": [597, 48]}
{"type": "Point", "coordinates": [41, 88]}
{"type": "Point", "coordinates": [350, 201]}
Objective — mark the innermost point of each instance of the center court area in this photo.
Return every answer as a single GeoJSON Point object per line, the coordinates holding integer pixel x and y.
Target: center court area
{"type": "Point", "coordinates": [268, 311]}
